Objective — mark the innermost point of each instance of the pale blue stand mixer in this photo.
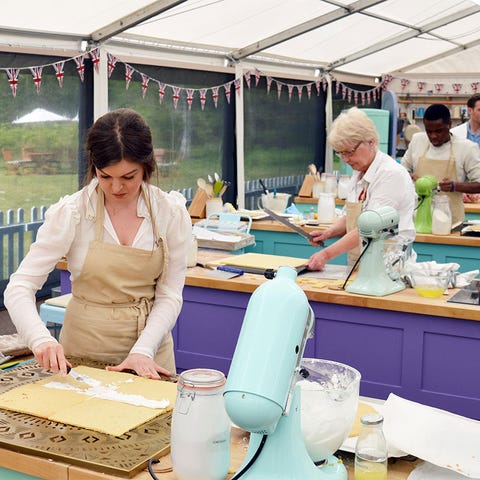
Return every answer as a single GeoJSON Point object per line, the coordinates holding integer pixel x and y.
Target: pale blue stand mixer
{"type": "Point", "coordinates": [262, 395]}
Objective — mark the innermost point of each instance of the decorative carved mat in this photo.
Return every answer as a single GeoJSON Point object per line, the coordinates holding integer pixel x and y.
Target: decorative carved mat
{"type": "Point", "coordinates": [124, 456]}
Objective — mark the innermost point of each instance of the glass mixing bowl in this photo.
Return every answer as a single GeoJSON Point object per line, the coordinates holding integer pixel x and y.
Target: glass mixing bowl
{"type": "Point", "coordinates": [430, 284]}
{"type": "Point", "coordinates": [329, 400]}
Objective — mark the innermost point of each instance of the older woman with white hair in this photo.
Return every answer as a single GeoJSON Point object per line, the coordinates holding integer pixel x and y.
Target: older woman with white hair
{"type": "Point", "coordinates": [377, 181]}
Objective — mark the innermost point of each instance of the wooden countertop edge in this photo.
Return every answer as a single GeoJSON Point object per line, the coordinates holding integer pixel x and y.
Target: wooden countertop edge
{"type": "Point", "coordinates": [407, 301]}
{"type": "Point", "coordinates": [452, 239]}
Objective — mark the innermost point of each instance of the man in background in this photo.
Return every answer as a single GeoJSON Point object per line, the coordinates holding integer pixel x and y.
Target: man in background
{"type": "Point", "coordinates": [471, 130]}
{"type": "Point", "coordinates": [454, 161]}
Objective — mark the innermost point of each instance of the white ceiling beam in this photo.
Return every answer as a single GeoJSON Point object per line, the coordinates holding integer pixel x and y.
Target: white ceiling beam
{"type": "Point", "coordinates": [414, 32]}
{"type": "Point", "coordinates": [133, 19]}
{"type": "Point", "coordinates": [302, 28]}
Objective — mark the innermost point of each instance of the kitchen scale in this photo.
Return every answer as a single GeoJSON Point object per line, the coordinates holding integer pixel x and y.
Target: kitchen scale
{"type": "Point", "coordinates": [469, 295]}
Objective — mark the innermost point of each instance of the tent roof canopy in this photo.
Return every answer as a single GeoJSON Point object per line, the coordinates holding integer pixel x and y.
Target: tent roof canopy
{"type": "Point", "coordinates": [360, 37]}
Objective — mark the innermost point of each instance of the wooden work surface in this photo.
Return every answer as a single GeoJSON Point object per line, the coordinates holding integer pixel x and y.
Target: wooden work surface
{"type": "Point", "coordinates": [405, 301]}
{"type": "Point", "coordinates": [453, 239]}
{"type": "Point", "coordinates": [53, 470]}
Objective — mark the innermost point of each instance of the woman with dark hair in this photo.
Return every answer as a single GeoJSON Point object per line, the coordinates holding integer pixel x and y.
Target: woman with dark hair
{"type": "Point", "coordinates": [126, 243]}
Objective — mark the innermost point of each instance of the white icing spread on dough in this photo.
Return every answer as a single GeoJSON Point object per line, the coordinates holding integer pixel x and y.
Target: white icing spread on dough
{"type": "Point", "coordinates": [96, 390]}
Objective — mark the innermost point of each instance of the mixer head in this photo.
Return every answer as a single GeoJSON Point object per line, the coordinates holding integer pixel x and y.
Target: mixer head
{"type": "Point", "coordinates": [424, 186]}
{"type": "Point", "coordinates": [379, 223]}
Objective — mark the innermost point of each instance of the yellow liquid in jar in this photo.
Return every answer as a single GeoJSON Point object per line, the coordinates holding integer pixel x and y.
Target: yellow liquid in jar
{"type": "Point", "coordinates": [371, 471]}
{"type": "Point", "coordinates": [430, 292]}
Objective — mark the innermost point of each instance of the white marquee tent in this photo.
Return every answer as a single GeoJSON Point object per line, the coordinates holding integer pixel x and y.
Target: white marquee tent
{"type": "Point", "coordinates": [363, 37]}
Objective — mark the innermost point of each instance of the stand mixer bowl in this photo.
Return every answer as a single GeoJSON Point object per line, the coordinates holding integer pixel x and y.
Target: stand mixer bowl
{"type": "Point", "coordinates": [329, 403]}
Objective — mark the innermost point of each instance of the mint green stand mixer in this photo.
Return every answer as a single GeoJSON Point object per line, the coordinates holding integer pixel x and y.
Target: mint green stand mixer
{"type": "Point", "coordinates": [262, 394]}
{"type": "Point", "coordinates": [426, 188]}
{"type": "Point", "coordinates": [372, 278]}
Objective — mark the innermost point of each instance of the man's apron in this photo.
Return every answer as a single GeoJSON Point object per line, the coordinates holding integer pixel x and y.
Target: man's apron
{"type": "Point", "coordinates": [444, 169]}
{"type": "Point", "coordinates": [112, 298]}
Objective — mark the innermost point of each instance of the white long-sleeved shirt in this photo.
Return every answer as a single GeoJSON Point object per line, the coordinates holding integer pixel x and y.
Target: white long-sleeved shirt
{"type": "Point", "coordinates": [389, 184]}
{"type": "Point", "coordinates": [68, 229]}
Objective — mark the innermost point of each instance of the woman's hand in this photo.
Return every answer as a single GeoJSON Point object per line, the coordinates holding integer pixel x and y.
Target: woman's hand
{"type": "Point", "coordinates": [50, 356]}
{"type": "Point", "coordinates": [143, 366]}
{"type": "Point", "coordinates": [318, 260]}
{"type": "Point", "coordinates": [319, 236]}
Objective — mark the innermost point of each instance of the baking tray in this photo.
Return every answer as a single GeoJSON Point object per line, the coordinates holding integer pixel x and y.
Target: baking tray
{"type": "Point", "coordinates": [123, 456]}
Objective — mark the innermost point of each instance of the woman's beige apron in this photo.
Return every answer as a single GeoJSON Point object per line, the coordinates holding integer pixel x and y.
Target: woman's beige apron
{"type": "Point", "coordinates": [444, 169]}
{"type": "Point", "coordinates": [353, 211]}
{"type": "Point", "coordinates": [112, 298]}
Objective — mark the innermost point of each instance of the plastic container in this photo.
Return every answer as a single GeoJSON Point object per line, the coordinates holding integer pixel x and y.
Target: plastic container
{"type": "Point", "coordinates": [342, 187]}
{"type": "Point", "coordinates": [326, 208]}
{"type": "Point", "coordinates": [429, 283]}
{"type": "Point", "coordinates": [200, 435]}
{"type": "Point", "coordinates": [214, 205]}
{"type": "Point", "coordinates": [317, 189]}
{"type": "Point", "coordinates": [371, 456]}
{"type": "Point", "coordinates": [441, 215]}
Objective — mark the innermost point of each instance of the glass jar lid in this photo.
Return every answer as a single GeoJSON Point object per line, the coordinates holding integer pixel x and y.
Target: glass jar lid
{"type": "Point", "coordinates": [371, 419]}
{"type": "Point", "coordinates": [201, 378]}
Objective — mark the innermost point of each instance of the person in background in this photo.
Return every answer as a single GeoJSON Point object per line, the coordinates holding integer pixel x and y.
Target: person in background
{"type": "Point", "coordinates": [126, 244]}
{"type": "Point", "coordinates": [377, 181]}
{"type": "Point", "coordinates": [454, 161]}
{"type": "Point", "coordinates": [470, 130]}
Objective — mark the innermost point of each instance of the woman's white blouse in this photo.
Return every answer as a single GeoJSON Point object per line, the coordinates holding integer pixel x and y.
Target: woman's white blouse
{"type": "Point", "coordinates": [68, 229]}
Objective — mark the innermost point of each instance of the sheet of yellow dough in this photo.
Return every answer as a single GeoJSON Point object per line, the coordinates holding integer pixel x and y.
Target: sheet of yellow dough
{"type": "Point", "coordinates": [261, 260]}
{"type": "Point", "coordinates": [362, 409]}
{"type": "Point", "coordinates": [73, 408]}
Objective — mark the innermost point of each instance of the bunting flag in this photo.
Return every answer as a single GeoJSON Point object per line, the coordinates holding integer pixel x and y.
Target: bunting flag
{"type": "Point", "coordinates": [309, 90]}
{"type": "Point", "coordinates": [269, 84]}
{"type": "Point", "coordinates": [203, 98]}
{"type": "Point", "coordinates": [145, 80]}
{"type": "Point", "coordinates": [80, 62]}
{"type": "Point", "coordinates": [404, 83]}
{"type": "Point", "coordinates": [59, 72]}
{"type": "Point", "coordinates": [95, 56]}
{"type": "Point", "coordinates": [128, 75]}
{"type": "Point", "coordinates": [161, 91]}
{"type": "Point", "coordinates": [215, 95]}
{"type": "Point", "coordinates": [421, 86]}
{"type": "Point", "coordinates": [317, 85]}
{"type": "Point", "coordinates": [258, 74]}
{"type": "Point", "coordinates": [290, 90]}
{"type": "Point", "coordinates": [238, 85]}
{"type": "Point", "coordinates": [438, 87]}
{"type": "Point", "coordinates": [300, 91]}
{"type": "Point", "coordinates": [176, 96]}
{"type": "Point", "coordinates": [457, 87]}
{"type": "Point", "coordinates": [228, 90]}
{"type": "Point", "coordinates": [37, 77]}
{"type": "Point", "coordinates": [112, 61]}
{"type": "Point", "coordinates": [279, 89]}
{"type": "Point", "coordinates": [324, 83]}
{"type": "Point", "coordinates": [474, 86]}
{"type": "Point", "coordinates": [12, 74]}
{"type": "Point", "coordinates": [190, 92]}
{"type": "Point", "coordinates": [247, 78]}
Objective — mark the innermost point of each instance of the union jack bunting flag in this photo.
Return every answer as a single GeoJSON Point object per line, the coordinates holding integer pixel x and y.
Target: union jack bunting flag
{"type": "Point", "coordinates": [59, 72]}
{"type": "Point", "coordinates": [12, 74]}
{"type": "Point", "coordinates": [37, 76]}
{"type": "Point", "coordinates": [80, 62]}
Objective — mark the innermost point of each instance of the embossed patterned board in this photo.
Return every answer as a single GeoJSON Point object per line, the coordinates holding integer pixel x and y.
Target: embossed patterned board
{"type": "Point", "coordinates": [125, 455]}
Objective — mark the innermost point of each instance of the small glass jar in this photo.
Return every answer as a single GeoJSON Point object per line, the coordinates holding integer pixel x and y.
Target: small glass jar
{"type": "Point", "coordinates": [200, 435]}
{"type": "Point", "coordinates": [371, 456]}
{"type": "Point", "coordinates": [342, 187]}
{"type": "Point", "coordinates": [326, 208]}
{"type": "Point", "coordinates": [441, 215]}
